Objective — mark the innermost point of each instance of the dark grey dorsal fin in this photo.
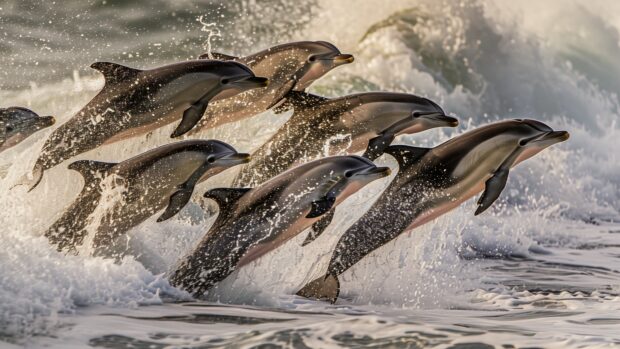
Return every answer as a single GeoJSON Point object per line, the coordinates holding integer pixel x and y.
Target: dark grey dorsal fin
{"type": "Point", "coordinates": [226, 197]}
{"type": "Point", "coordinates": [406, 155]}
{"type": "Point", "coordinates": [299, 100]}
{"type": "Point", "coordinates": [92, 171]}
{"type": "Point", "coordinates": [115, 73]}
{"type": "Point", "coordinates": [218, 56]}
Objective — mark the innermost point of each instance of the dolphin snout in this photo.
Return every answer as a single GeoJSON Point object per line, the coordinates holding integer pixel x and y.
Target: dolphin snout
{"type": "Point", "coordinates": [234, 159]}
{"type": "Point", "coordinates": [447, 120]}
{"type": "Point", "coordinates": [441, 119]}
{"type": "Point", "coordinates": [343, 59]}
{"type": "Point", "coordinates": [252, 82]}
{"type": "Point", "coordinates": [559, 136]}
{"type": "Point", "coordinates": [49, 120]}
{"type": "Point", "coordinates": [375, 172]}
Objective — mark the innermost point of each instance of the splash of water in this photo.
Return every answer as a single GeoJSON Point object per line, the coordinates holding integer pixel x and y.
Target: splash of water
{"type": "Point", "coordinates": [212, 30]}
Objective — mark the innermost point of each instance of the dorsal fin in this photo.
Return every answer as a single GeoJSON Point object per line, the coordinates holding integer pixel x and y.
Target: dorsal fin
{"type": "Point", "coordinates": [218, 56]}
{"type": "Point", "coordinates": [115, 73]}
{"type": "Point", "coordinates": [406, 155]}
{"type": "Point", "coordinates": [299, 100]}
{"type": "Point", "coordinates": [226, 197]}
{"type": "Point", "coordinates": [92, 171]}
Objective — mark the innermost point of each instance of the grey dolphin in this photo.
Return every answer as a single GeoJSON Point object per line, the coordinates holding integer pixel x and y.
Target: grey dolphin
{"type": "Point", "coordinates": [17, 123]}
{"type": "Point", "coordinates": [255, 221]}
{"type": "Point", "coordinates": [431, 182]}
{"type": "Point", "coordinates": [327, 126]}
{"type": "Point", "coordinates": [133, 102]}
{"type": "Point", "coordinates": [290, 67]}
{"type": "Point", "coordinates": [148, 182]}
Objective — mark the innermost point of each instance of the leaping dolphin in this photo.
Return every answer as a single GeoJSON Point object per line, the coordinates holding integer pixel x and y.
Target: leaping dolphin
{"type": "Point", "coordinates": [133, 102]}
{"type": "Point", "coordinates": [290, 67]}
{"type": "Point", "coordinates": [164, 176]}
{"type": "Point", "coordinates": [431, 182]}
{"type": "Point", "coordinates": [17, 123]}
{"type": "Point", "coordinates": [329, 126]}
{"type": "Point", "coordinates": [255, 221]}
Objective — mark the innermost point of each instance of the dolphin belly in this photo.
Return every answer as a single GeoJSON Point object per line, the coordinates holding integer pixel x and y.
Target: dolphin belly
{"type": "Point", "coordinates": [444, 206]}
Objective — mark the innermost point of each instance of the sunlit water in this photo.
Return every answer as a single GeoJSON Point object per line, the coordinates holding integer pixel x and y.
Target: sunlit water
{"type": "Point", "coordinates": [539, 269]}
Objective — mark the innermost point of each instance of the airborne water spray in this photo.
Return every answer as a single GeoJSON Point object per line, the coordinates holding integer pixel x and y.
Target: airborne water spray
{"type": "Point", "coordinates": [212, 32]}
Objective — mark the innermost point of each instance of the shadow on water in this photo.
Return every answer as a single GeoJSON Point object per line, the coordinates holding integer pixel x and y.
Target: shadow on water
{"type": "Point", "coordinates": [211, 319]}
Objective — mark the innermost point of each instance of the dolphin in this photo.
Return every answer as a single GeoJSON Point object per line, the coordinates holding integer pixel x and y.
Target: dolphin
{"type": "Point", "coordinates": [431, 182]}
{"type": "Point", "coordinates": [323, 126]}
{"type": "Point", "coordinates": [133, 102]}
{"type": "Point", "coordinates": [163, 177]}
{"type": "Point", "coordinates": [290, 67]}
{"type": "Point", "coordinates": [255, 221]}
{"type": "Point", "coordinates": [17, 123]}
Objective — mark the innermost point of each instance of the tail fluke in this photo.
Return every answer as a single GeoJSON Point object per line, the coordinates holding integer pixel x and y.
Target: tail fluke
{"type": "Point", "coordinates": [31, 179]}
{"type": "Point", "coordinates": [324, 288]}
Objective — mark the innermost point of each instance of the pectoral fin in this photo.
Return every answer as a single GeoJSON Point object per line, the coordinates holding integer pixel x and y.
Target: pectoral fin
{"type": "Point", "coordinates": [493, 188]}
{"type": "Point", "coordinates": [191, 116]}
{"type": "Point", "coordinates": [377, 146]}
{"type": "Point", "coordinates": [322, 206]}
{"type": "Point", "coordinates": [319, 227]}
{"type": "Point", "coordinates": [178, 200]}
{"type": "Point", "coordinates": [194, 113]}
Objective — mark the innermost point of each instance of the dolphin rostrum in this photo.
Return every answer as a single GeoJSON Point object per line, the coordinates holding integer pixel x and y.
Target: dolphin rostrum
{"type": "Point", "coordinates": [328, 126]}
{"type": "Point", "coordinates": [134, 102]}
{"type": "Point", "coordinates": [163, 177]}
{"type": "Point", "coordinates": [17, 123]}
{"type": "Point", "coordinates": [431, 182]}
{"type": "Point", "coordinates": [255, 221]}
{"type": "Point", "coordinates": [289, 67]}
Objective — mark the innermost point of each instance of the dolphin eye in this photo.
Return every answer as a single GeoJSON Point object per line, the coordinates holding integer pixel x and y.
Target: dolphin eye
{"type": "Point", "coordinates": [523, 142]}
{"type": "Point", "coordinates": [348, 174]}
{"type": "Point", "coordinates": [211, 159]}
{"type": "Point", "coordinates": [311, 58]}
{"type": "Point", "coordinates": [225, 81]}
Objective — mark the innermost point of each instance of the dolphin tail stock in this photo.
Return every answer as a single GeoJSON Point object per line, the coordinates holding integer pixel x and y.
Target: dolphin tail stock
{"type": "Point", "coordinates": [31, 179]}
{"type": "Point", "coordinates": [326, 287]}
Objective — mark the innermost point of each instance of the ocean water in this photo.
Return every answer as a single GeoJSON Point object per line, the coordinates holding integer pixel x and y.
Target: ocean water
{"type": "Point", "coordinates": [540, 269]}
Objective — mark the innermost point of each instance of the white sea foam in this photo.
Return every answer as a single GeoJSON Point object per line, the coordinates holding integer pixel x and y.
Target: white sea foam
{"type": "Point", "coordinates": [535, 250]}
